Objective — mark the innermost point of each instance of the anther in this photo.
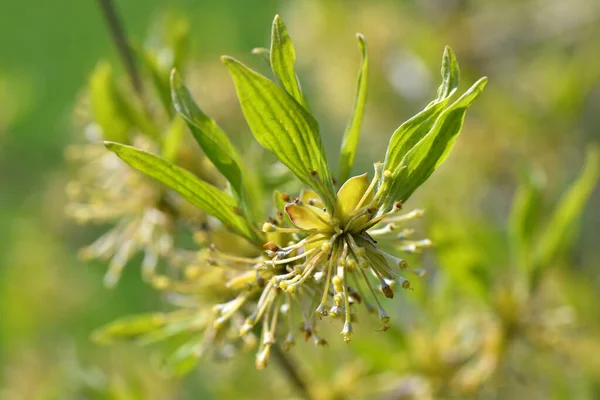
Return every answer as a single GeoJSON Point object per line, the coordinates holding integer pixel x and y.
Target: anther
{"type": "Point", "coordinates": [268, 227]}
{"type": "Point", "coordinates": [387, 291]}
{"type": "Point", "coordinates": [271, 246]}
{"type": "Point", "coordinates": [347, 331]}
{"type": "Point", "coordinates": [321, 312]}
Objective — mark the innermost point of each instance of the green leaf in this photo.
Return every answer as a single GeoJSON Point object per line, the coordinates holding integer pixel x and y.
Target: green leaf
{"type": "Point", "coordinates": [284, 127]}
{"type": "Point", "coordinates": [283, 58]}
{"type": "Point", "coordinates": [413, 130]}
{"type": "Point", "coordinates": [129, 327]}
{"type": "Point", "coordinates": [175, 327]}
{"type": "Point", "coordinates": [263, 53]}
{"type": "Point", "coordinates": [350, 140]}
{"type": "Point", "coordinates": [210, 137]}
{"type": "Point", "coordinates": [420, 162]}
{"type": "Point", "coordinates": [107, 104]}
{"type": "Point", "coordinates": [172, 139]}
{"type": "Point", "coordinates": [555, 236]}
{"type": "Point", "coordinates": [524, 217]}
{"type": "Point", "coordinates": [199, 193]}
{"type": "Point", "coordinates": [450, 74]}
{"type": "Point", "coordinates": [159, 78]}
{"type": "Point", "coordinates": [186, 357]}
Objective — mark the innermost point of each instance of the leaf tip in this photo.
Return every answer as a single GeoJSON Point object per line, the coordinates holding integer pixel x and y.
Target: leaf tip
{"type": "Point", "coordinates": [227, 60]}
{"type": "Point", "coordinates": [362, 41]}
{"type": "Point", "coordinates": [111, 146]}
{"type": "Point", "coordinates": [175, 79]}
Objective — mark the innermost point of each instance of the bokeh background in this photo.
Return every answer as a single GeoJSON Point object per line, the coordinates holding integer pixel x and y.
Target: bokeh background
{"type": "Point", "coordinates": [540, 111]}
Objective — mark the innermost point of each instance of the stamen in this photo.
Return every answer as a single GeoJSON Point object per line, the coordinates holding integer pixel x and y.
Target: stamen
{"type": "Point", "coordinates": [382, 314]}
{"type": "Point", "coordinates": [288, 260]}
{"type": "Point", "coordinates": [347, 330]}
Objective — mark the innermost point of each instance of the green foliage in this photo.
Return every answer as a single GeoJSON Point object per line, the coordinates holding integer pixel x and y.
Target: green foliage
{"type": "Point", "coordinates": [108, 104]}
{"type": "Point", "coordinates": [199, 193]}
{"type": "Point", "coordinates": [352, 134]}
{"type": "Point", "coordinates": [410, 132]}
{"type": "Point", "coordinates": [210, 137]}
{"type": "Point", "coordinates": [169, 51]}
{"type": "Point", "coordinates": [132, 327]}
{"type": "Point", "coordinates": [496, 303]}
{"type": "Point", "coordinates": [283, 126]}
{"type": "Point", "coordinates": [282, 60]}
{"type": "Point", "coordinates": [524, 217]}
{"type": "Point", "coordinates": [420, 162]}
{"type": "Point", "coordinates": [422, 143]}
{"type": "Point", "coordinates": [557, 232]}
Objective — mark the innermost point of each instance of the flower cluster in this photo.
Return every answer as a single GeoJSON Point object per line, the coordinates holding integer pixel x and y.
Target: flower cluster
{"type": "Point", "coordinates": [323, 252]}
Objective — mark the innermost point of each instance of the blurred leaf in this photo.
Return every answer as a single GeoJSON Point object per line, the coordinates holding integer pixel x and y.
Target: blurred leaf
{"type": "Point", "coordinates": [283, 58]}
{"type": "Point", "coordinates": [420, 162]}
{"type": "Point", "coordinates": [278, 201]}
{"type": "Point", "coordinates": [129, 327]}
{"type": "Point", "coordinates": [524, 217]}
{"type": "Point", "coordinates": [284, 127]}
{"type": "Point", "coordinates": [352, 134]}
{"type": "Point", "coordinates": [172, 139]}
{"type": "Point", "coordinates": [213, 141]}
{"type": "Point", "coordinates": [413, 130]}
{"type": "Point", "coordinates": [554, 238]}
{"type": "Point", "coordinates": [107, 104]}
{"type": "Point", "coordinates": [167, 331]}
{"type": "Point", "coordinates": [185, 357]}
{"type": "Point", "coordinates": [263, 53]}
{"type": "Point", "coordinates": [199, 193]}
{"type": "Point", "coordinates": [168, 50]}
{"type": "Point", "coordinates": [160, 79]}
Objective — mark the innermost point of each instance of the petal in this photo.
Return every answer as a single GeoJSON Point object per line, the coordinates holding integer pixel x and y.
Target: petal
{"type": "Point", "coordinates": [319, 240]}
{"type": "Point", "coordinates": [351, 193]}
{"type": "Point", "coordinates": [308, 217]}
{"type": "Point", "coordinates": [311, 198]}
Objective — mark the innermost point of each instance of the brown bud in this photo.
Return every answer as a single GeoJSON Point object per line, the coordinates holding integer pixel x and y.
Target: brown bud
{"type": "Point", "coordinates": [387, 292]}
{"type": "Point", "coordinates": [271, 246]}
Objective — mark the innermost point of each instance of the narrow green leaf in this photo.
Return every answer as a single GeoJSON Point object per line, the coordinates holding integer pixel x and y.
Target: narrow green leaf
{"type": "Point", "coordinates": [199, 193]}
{"type": "Point", "coordinates": [524, 217]}
{"type": "Point", "coordinates": [420, 162]}
{"type": "Point", "coordinates": [352, 134]}
{"type": "Point", "coordinates": [210, 137]}
{"type": "Point", "coordinates": [129, 327]}
{"type": "Point", "coordinates": [555, 236]}
{"type": "Point", "coordinates": [172, 139]}
{"type": "Point", "coordinates": [175, 327]}
{"type": "Point", "coordinates": [263, 53]}
{"type": "Point", "coordinates": [413, 130]}
{"type": "Point", "coordinates": [106, 103]}
{"type": "Point", "coordinates": [185, 357]}
{"type": "Point", "coordinates": [283, 58]}
{"type": "Point", "coordinates": [450, 74]}
{"type": "Point", "coordinates": [116, 110]}
{"type": "Point", "coordinates": [159, 78]}
{"type": "Point", "coordinates": [284, 127]}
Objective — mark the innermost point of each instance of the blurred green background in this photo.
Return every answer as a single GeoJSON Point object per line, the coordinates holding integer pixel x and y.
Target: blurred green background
{"type": "Point", "coordinates": [540, 110]}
